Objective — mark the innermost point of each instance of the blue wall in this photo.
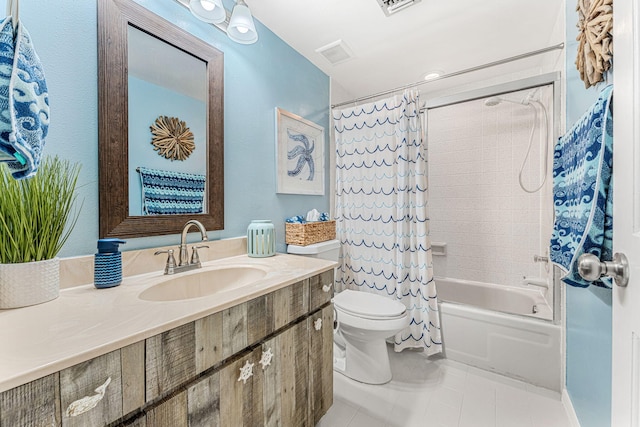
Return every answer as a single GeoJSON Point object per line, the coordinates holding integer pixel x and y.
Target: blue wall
{"type": "Point", "coordinates": [258, 78]}
{"type": "Point", "coordinates": [147, 101]}
{"type": "Point", "coordinates": [588, 310]}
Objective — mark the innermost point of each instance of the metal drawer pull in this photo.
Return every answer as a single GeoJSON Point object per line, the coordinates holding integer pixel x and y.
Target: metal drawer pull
{"type": "Point", "coordinates": [265, 359]}
{"type": "Point", "coordinates": [87, 403]}
{"type": "Point", "coordinates": [317, 324]}
{"type": "Point", "coordinates": [246, 372]}
{"type": "Point", "coordinates": [327, 288]}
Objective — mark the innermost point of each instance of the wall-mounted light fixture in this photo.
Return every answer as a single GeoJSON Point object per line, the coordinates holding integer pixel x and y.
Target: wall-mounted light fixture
{"type": "Point", "coordinates": [241, 28]}
{"type": "Point", "coordinates": [210, 11]}
{"type": "Point", "coordinates": [238, 24]}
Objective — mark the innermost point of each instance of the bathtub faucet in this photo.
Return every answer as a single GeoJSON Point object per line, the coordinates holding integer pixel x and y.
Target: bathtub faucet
{"type": "Point", "coordinates": [535, 281]}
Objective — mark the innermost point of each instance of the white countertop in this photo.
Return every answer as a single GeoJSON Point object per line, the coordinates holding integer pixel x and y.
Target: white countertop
{"type": "Point", "coordinates": [85, 322]}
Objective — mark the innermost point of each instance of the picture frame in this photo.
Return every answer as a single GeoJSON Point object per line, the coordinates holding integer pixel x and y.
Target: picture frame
{"type": "Point", "coordinates": [300, 162]}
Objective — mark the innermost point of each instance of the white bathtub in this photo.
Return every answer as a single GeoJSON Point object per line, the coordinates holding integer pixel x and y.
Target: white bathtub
{"type": "Point", "coordinates": [494, 327]}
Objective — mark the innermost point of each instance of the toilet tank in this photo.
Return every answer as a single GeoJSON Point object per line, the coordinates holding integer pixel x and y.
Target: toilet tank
{"type": "Point", "coordinates": [329, 250]}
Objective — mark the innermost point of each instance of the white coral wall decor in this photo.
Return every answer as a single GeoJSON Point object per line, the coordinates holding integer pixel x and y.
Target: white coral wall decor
{"type": "Point", "coordinates": [595, 48]}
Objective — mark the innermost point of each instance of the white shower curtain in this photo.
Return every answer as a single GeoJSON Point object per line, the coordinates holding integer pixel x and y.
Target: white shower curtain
{"type": "Point", "coordinates": [381, 211]}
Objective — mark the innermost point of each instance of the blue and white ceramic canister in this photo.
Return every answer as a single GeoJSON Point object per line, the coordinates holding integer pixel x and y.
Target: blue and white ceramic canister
{"type": "Point", "coordinates": [261, 239]}
{"type": "Point", "coordinates": [107, 267]}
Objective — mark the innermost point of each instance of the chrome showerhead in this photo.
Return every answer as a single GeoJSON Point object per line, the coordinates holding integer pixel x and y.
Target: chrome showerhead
{"type": "Point", "coordinates": [495, 100]}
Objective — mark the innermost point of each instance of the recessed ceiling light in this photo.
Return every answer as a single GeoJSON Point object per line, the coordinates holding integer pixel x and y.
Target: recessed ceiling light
{"type": "Point", "coordinates": [432, 74]}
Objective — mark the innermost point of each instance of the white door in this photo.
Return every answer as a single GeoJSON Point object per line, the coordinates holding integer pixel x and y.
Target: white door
{"type": "Point", "coordinates": [625, 408]}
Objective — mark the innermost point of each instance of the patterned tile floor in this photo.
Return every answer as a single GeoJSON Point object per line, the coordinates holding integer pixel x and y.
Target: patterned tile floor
{"type": "Point", "coordinates": [441, 393]}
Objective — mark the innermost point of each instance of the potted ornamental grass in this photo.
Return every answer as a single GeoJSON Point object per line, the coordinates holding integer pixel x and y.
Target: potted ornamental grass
{"type": "Point", "coordinates": [36, 218]}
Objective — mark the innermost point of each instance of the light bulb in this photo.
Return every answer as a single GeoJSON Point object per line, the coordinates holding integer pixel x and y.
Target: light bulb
{"type": "Point", "coordinates": [207, 5]}
{"type": "Point", "coordinates": [243, 30]}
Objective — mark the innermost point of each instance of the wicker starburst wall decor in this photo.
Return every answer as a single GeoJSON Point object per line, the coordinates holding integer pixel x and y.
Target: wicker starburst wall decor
{"type": "Point", "coordinates": [595, 48]}
{"type": "Point", "coordinates": [172, 138]}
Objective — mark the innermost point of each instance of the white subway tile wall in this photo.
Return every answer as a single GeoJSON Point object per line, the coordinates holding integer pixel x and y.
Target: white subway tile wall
{"type": "Point", "coordinates": [491, 226]}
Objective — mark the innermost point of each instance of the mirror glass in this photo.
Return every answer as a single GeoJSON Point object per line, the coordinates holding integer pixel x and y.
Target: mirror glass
{"type": "Point", "coordinates": [165, 82]}
{"type": "Point", "coordinates": [161, 112]}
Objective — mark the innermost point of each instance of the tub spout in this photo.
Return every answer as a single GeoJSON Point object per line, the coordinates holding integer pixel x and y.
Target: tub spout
{"type": "Point", "coordinates": [535, 281]}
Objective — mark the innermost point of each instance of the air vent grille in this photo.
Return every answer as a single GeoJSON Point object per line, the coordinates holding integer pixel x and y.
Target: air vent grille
{"type": "Point", "coordinates": [336, 52]}
{"type": "Point", "coordinates": [389, 7]}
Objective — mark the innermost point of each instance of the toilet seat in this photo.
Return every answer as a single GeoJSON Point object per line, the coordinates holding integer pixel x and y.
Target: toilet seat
{"type": "Point", "coordinates": [368, 306]}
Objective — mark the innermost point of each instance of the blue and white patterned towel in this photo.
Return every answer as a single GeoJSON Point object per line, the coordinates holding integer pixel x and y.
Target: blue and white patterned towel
{"type": "Point", "coordinates": [582, 192]}
{"type": "Point", "coordinates": [171, 193]}
{"type": "Point", "coordinates": [24, 101]}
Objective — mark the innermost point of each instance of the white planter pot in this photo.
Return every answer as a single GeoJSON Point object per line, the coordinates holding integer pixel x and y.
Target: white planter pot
{"type": "Point", "coordinates": [29, 283]}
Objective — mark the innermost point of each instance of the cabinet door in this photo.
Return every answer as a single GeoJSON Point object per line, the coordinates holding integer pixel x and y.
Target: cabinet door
{"type": "Point", "coordinates": [321, 362]}
{"type": "Point", "coordinates": [204, 401]}
{"type": "Point", "coordinates": [269, 364]}
{"type": "Point", "coordinates": [320, 289]}
{"type": "Point", "coordinates": [171, 412]}
{"type": "Point", "coordinates": [36, 403]}
{"type": "Point", "coordinates": [91, 392]}
{"type": "Point", "coordinates": [241, 383]}
{"type": "Point", "coordinates": [293, 359]}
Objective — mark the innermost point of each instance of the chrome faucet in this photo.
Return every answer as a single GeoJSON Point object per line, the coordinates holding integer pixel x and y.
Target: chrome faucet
{"type": "Point", "coordinates": [184, 256]}
{"type": "Point", "coordinates": [184, 264]}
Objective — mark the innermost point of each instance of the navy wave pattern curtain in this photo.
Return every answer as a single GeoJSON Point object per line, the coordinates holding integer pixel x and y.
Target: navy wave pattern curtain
{"type": "Point", "coordinates": [381, 211]}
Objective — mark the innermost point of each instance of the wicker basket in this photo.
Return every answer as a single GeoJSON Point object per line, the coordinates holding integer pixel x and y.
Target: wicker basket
{"type": "Point", "coordinates": [309, 233]}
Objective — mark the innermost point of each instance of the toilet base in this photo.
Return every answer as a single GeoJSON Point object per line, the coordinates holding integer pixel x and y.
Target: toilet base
{"type": "Point", "coordinates": [365, 361]}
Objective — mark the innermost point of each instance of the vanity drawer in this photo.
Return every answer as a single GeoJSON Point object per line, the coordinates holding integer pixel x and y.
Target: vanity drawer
{"type": "Point", "coordinates": [290, 303]}
{"type": "Point", "coordinates": [91, 392]}
{"type": "Point", "coordinates": [320, 289]}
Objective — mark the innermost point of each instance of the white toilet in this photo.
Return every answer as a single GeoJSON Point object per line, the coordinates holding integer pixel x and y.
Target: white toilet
{"type": "Point", "coordinates": [364, 322]}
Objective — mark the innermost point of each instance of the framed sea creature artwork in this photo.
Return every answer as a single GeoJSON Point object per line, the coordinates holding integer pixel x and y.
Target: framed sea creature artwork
{"type": "Point", "coordinates": [300, 155]}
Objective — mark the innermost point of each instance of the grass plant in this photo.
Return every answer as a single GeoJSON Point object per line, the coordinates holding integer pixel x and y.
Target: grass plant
{"type": "Point", "coordinates": [36, 214]}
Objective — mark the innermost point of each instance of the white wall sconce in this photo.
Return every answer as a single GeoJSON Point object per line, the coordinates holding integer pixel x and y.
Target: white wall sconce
{"type": "Point", "coordinates": [238, 25]}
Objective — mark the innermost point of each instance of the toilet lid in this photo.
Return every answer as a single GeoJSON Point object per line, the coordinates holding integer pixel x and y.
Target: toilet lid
{"type": "Point", "coordinates": [368, 305]}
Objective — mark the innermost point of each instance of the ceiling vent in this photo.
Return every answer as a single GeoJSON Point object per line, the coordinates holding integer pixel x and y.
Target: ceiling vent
{"type": "Point", "coordinates": [336, 52]}
{"type": "Point", "coordinates": [389, 7]}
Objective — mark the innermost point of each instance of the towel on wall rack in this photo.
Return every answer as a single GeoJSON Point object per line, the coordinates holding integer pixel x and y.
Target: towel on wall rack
{"type": "Point", "coordinates": [171, 193]}
{"type": "Point", "coordinates": [24, 100]}
{"type": "Point", "coordinates": [582, 192]}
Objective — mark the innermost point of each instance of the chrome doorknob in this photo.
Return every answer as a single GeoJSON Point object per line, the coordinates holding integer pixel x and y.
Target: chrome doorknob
{"type": "Point", "coordinates": [591, 268]}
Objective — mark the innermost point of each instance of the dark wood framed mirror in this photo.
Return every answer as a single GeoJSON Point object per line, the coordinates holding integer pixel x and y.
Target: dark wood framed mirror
{"type": "Point", "coordinates": [116, 19]}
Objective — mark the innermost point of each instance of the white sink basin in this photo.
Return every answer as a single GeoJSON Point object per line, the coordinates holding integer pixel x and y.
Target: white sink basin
{"type": "Point", "coordinates": [203, 283]}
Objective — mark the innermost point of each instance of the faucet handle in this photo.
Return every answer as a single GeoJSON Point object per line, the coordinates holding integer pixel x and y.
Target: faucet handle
{"type": "Point", "coordinates": [171, 261]}
{"type": "Point", "coordinates": [195, 258]}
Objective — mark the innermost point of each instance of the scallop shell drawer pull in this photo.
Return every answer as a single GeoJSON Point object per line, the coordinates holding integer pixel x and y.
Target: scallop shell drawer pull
{"type": "Point", "coordinates": [317, 324]}
{"type": "Point", "coordinates": [246, 372]}
{"type": "Point", "coordinates": [326, 288]}
{"type": "Point", "coordinates": [87, 403]}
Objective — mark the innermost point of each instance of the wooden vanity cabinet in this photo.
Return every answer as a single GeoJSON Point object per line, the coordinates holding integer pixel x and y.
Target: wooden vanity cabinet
{"type": "Point", "coordinates": [189, 375]}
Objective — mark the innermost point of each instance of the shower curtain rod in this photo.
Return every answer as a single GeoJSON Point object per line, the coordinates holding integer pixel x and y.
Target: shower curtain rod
{"type": "Point", "coordinates": [455, 73]}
